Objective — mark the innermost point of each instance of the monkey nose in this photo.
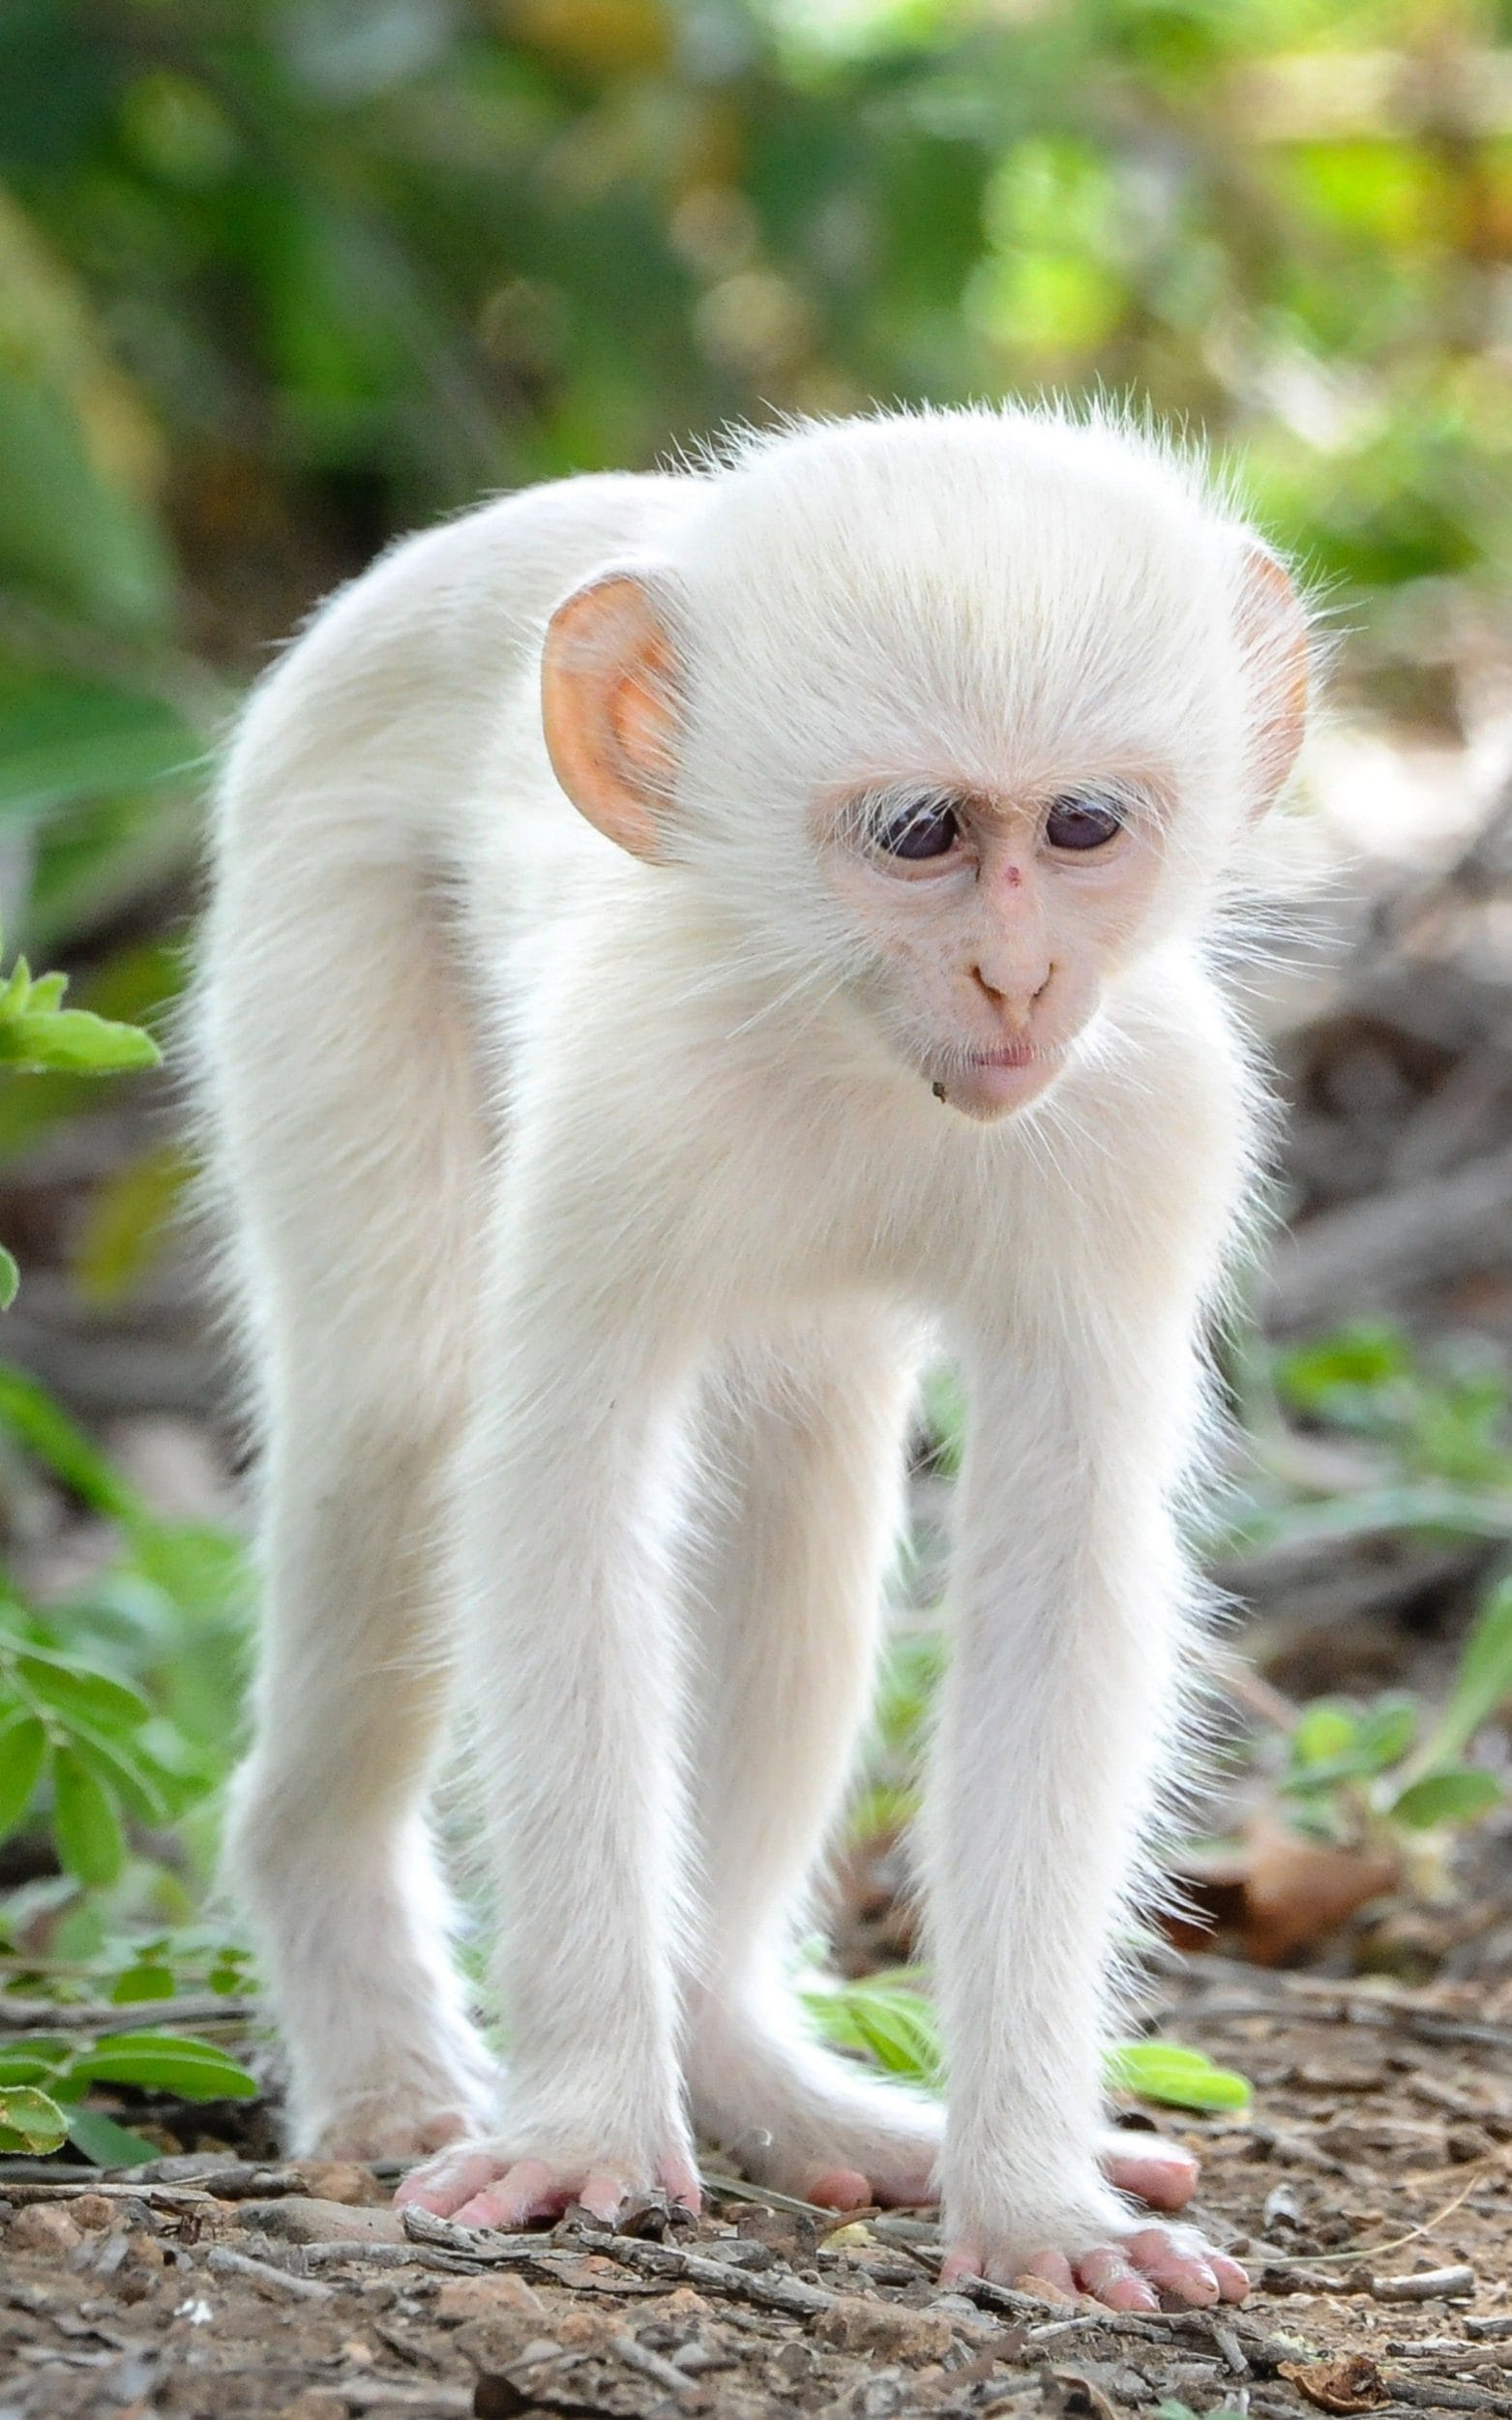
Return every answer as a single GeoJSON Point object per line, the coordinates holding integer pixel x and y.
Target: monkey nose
{"type": "Point", "coordinates": [1016, 994]}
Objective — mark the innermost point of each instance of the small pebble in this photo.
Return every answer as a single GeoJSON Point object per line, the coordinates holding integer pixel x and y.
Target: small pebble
{"type": "Point", "coordinates": [341, 2180]}
{"type": "Point", "coordinates": [43, 2226]}
{"type": "Point", "coordinates": [462, 2299]}
{"type": "Point", "coordinates": [891, 2331]}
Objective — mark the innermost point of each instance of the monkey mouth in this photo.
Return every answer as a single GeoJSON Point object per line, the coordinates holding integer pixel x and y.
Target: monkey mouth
{"type": "Point", "coordinates": [1012, 1054]}
{"type": "Point", "coordinates": [985, 1085]}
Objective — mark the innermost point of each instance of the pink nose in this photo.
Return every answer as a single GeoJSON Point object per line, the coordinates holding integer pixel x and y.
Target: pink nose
{"type": "Point", "coordinates": [1016, 988]}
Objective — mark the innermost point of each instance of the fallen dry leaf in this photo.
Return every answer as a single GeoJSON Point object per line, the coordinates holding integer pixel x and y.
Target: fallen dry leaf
{"type": "Point", "coordinates": [1343, 2382]}
{"type": "Point", "coordinates": [1298, 1891]}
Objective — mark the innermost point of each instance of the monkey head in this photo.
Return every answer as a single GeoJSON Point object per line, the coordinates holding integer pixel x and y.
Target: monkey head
{"type": "Point", "coordinates": [953, 718]}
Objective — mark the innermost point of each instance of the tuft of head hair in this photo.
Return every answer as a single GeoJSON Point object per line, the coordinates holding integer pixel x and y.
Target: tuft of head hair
{"type": "Point", "coordinates": [1002, 598]}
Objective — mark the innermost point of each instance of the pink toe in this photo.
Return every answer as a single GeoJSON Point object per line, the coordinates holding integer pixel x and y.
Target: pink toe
{"type": "Point", "coordinates": [1233, 2282]}
{"type": "Point", "coordinates": [679, 2181]}
{"type": "Point", "coordinates": [530, 2188]}
{"type": "Point", "coordinates": [1174, 2267]}
{"type": "Point", "coordinates": [840, 2189]}
{"type": "Point", "coordinates": [443, 2186]}
{"type": "Point", "coordinates": [1161, 2174]}
{"type": "Point", "coordinates": [1055, 2268]}
{"type": "Point", "coordinates": [1108, 2275]}
{"type": "Point", "coordinates": [602, 2197]}
{"type": "Point", "coordinates": [964, 2261]}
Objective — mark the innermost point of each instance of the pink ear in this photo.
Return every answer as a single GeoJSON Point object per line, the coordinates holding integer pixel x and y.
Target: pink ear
{"type": "Point", "coordinates": [1273, 631]}
{"type": "Point", "coordinates": [607, 704]}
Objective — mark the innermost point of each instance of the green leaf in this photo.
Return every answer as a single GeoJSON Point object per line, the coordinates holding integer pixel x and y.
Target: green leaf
{"type": "Point", "coordinates": [1174, 2076]}
{"type": "Point", "coordinates": [64, 741]}
{"type": "Point", "coordinates": [23, 1744]}
{"type": "Point", "coordinates": [155, 2062]}
{"type": "Point", "coordinates": [35, 2060]}
{"type": "Point", "coordinates": [1482, 1682]}
{"type": "Point", "coordinates": [1387, 1731]}
{"type": "Point", "coordinates": [121, 1775]}
{"type": "Point", "coordinates": [1324, 1732]}
{"type": "Point", "coordinates": [10, 1279]}
{"type": "Point", "coordinates": [85, 1823]}
{"type": "Point", "coordinates": [108, 2144]}
{"type": "Point", "coordinates": [145, 1981]}
{"type": "Point", "coordinates": [1462, 1794]}
{"type": "Point", "coordinates": [900, 2030]}
{"type": "Point", "coordinates": [76, 1042]}
{"type": "Point", "coordinates": [71, 533]}
{"type": "Point", "coordinates": [892, 2021]}
{"type": "Point", "coordinates": [1366, 1744]}
{"type": "Point", "coordinates": [78, 1688]}
{"type": "Point", "coordinates": [127, 1223]}
{"type": "Point", "coordinates": [1359, 1359]}
{"type": "Point", "coordinates": [944, 1419]}
{"type": "Point", "coordinates": [35, 1421]}
{"type": "Point", "coordinates": [30, 2121]}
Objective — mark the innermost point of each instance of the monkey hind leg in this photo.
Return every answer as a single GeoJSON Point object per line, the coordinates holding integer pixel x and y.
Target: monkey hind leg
{"type": "Point", "coordinates": [349, 1153]}
{"type": "Point", "coordinates": [804, 1451]}
{"type": "Point", "coordinates": [329, 1849]}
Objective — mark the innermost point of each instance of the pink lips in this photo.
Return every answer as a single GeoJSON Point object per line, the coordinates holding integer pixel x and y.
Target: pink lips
{"type": "Point", "coordinates": [992, 1081]}
{"type": "Point", "coordinates": [1013, 1055]}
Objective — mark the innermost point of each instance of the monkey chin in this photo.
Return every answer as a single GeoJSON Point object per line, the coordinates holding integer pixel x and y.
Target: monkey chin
{"type": "Point", "coordinates": [993, 1084]}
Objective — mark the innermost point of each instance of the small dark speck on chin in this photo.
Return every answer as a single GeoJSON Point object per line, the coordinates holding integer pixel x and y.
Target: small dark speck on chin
{"type": "Point", "coordinates": [938, 1089]}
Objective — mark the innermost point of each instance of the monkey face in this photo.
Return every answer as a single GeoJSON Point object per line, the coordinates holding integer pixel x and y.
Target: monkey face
{"type": "Point", "coordinates": [951, 719]}
{"type": "Point", "coordinates": [992, 924]}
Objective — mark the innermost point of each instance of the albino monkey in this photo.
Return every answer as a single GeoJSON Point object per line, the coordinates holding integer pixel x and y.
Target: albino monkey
{"type": "Point", "coordinates": [680, 944]}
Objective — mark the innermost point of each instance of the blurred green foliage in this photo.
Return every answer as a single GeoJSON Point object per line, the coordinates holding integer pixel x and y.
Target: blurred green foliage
{"type": "Point", "coordinates": [891, 2019]}
{"type": "Point", "coordinates": [279, 277]}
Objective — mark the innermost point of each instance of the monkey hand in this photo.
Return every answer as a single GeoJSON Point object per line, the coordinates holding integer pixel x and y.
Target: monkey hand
{"type": "Point", "coordinates": [1096, 2247]}
{"type": "Point", "coordinates": [506, 2181]}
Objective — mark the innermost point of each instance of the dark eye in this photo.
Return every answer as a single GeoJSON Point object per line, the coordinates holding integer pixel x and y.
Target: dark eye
{"type": "Point", "coordinates": [926, 828]}
{"type": "Point", "coordinates": [1082, 824]}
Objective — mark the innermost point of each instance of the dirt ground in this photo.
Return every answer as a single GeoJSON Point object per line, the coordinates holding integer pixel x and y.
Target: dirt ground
{"type": "Point", "coordinates": [1369, 2188]}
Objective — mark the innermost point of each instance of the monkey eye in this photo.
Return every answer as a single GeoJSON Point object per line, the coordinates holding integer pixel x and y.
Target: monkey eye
{"type": "Point", "coordinates": [1082, 824]}
{"type": "Point", "coordinates": [926, 827]}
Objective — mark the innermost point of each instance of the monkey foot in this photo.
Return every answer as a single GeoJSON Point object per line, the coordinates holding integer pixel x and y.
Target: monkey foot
{"type": "Point", "coordinates": [383, 2134]}
{"type": "Point", "coordinates": [798, 2118]}
{"type": "Point", "coordinates": [478, 2185]}
{"type": "Point", "coordinates": [1130, 2272]}
{"type": "Point", "coordinates": [403, 2106]}
{"type": "Point", "coordinates": [1154, 2170]}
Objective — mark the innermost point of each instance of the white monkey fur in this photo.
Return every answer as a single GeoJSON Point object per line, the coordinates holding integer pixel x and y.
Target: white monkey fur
{"type": "Point", "coordinates": [592, 1214]}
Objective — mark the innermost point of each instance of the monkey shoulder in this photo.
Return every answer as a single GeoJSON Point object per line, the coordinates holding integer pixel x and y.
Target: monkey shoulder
{"type": "Point", "coordinates": [405, 667]}
{"type": "Point", "coordinates": [467, 580]}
